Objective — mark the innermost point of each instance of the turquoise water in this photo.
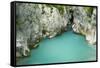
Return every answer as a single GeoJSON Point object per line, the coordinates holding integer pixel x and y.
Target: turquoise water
{"type": "Point", "coordinates": [68, 47]}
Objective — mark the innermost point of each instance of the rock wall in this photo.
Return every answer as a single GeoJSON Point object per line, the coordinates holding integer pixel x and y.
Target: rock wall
{"type": "Point", "coordinates": [84, 22]}
{"type": "Point", "coordinates": [35, 22]}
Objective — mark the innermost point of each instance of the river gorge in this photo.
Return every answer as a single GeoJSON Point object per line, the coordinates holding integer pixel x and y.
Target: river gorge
{"type": "Point", "coordinates": [49, 33]}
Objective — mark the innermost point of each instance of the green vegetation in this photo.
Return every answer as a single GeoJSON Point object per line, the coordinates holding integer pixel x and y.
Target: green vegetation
{"type": "Point", "coordinates": [59, 7]}
{"type": "Point", "coordinates": [89, 10]}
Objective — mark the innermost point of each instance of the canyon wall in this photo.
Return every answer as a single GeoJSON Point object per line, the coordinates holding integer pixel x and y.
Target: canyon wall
{"type": "Point", "coordinates": [84, 22]}
{"type": "Point", "coordinates": [35, 22]}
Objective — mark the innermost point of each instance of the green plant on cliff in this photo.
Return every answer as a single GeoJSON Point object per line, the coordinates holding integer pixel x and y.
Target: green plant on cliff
{"type": "Point", "coordinates": [88, 10]}
{"type": "Point", "coordinates": [59, 7]}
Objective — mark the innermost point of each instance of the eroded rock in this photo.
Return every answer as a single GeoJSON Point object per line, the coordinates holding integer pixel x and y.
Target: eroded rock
{"type": "Point", "coordinates": [35, 22]}
{"type": "Point", "coordinates": [85, 23]}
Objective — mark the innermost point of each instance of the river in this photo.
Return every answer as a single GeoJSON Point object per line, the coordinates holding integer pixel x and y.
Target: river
{"type": "Point", "coordinates": [68, 47]}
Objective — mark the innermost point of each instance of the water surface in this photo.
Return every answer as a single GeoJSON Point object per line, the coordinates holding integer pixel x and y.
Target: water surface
{"type": "Point", "coordinates": [68, 47]}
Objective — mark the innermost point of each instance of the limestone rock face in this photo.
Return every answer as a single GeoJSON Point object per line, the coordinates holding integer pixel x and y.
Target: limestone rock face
{"type": "Point", "coordinates": [84, 22]}
{"type": "Point", "coordinates": [35, 22]}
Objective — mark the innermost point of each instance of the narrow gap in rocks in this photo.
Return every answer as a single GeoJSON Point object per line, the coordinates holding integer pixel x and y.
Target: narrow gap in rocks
{"type": "Point", "coordinates": [69, 25]}
{"type": "Point", "coordinates": [34, 23]}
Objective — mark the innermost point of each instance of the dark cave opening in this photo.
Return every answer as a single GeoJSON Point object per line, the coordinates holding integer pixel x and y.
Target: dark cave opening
{"type": "Point", "coordinates": [70, 23]}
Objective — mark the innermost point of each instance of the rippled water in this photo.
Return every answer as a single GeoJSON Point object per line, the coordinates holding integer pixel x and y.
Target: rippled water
{"type": "Point", "coordinates": [68, 47]}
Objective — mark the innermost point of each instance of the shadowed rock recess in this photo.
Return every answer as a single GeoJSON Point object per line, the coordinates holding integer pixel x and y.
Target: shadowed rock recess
{"type": "Point", "coordinates": [34, 22]}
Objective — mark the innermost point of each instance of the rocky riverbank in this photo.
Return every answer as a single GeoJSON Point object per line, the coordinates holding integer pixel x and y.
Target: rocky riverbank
{"type": "Point", "coordinates": [84, 22]}
{"type": "Point", "coordinates": [35, 22]}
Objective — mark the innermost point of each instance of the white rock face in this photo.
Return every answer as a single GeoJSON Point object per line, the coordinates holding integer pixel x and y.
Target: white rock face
{"type": "Point", "coordinates": [21, 45]}
{"type": "Point", "coordinates": [91, 37]}
{"type": "Point", "coordinates": [85, 24]}
{"type": "Point", "coordinates": [36, 21]}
